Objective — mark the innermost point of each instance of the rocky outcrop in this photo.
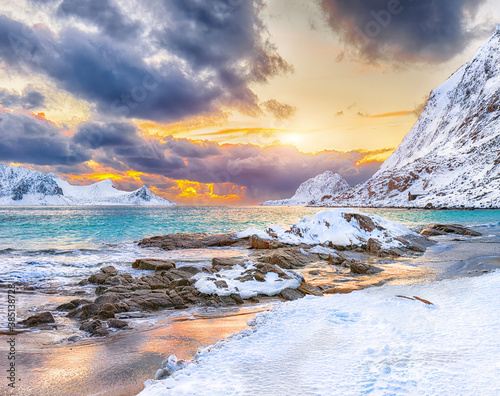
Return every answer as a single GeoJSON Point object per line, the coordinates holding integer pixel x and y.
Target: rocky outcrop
{"type": "Point", "coordinates": [186, 240]}
{"type": "Point", "coordinates": [445, 229]}
{"type": "Point", "coordinates": [40, 318]}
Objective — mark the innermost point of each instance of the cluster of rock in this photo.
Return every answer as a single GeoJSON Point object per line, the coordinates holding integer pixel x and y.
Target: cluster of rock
{"type": "Point", "coordinates": [167, 286]}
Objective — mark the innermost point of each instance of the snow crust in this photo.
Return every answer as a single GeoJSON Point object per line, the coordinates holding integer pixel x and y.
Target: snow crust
{"type": "Point", "coordinates": [314, 189]}
{"type": "Point", "coordinates": [334, 227]}
{"type": "Point", "coordinates": [366, 342]}
{"type": "Point", "coordinates": [23, 187]}
{"type": "Point", "coordinates": [273, 283]}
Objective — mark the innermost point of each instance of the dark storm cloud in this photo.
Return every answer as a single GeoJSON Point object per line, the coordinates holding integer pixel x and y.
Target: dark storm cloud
{"type": "Point", "coordinates": [28, 139]}
{"type": "Point", "coordinates": [403, 30]}
{"type": "Point", "coordinates": [216, 49]}
{"type": "Point", "coordinates": [102, 13]}
{"type": "Point", "coordinates": [29, 99]}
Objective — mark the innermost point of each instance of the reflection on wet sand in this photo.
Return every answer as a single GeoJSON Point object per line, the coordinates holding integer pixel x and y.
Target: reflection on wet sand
{"type": "Point", "coordinates": [118, 365]}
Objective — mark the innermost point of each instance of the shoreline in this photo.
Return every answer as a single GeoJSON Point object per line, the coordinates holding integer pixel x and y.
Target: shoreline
{"type": "Point", "coordinates": [419, 269]}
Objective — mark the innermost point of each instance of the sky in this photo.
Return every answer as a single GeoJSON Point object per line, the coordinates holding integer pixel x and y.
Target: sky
{"type": "Point", "coordinates": [223, 102]}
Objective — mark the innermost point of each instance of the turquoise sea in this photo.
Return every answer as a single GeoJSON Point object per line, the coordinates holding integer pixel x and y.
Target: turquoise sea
{"type": "Point", "coordinates": [48, 245]}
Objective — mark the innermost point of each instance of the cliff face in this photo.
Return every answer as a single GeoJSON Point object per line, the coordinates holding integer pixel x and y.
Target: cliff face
{"type": "Point", "coordinates": [451, 157]}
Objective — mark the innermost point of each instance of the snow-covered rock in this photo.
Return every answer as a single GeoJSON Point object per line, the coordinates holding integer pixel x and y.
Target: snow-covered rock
{"type": "Point", "coordinates": [232, 281]}
{"type": "Point", "coordinates": [339, 227]}
{"type": "Point", "coordinates": [451, 157]}
{"type": "Point", "coordinates": [23, 187]}
{"type": "Point", "coordinates": [314, 190]}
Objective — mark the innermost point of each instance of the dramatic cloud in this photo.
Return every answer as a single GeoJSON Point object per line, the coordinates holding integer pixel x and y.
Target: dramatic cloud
{"type": "Point", "coordinates": [103, 14]}
{"type": "Point", "coordinates": [191, 57]}
{"type": "Point", "coordinates": [29, 99]}
{"type": "Point", "coordinates": [27, 138]}
{"type": "Point", "coordinates": [269, 172]}
{"type": "Point", "coordinates": [403, 30]}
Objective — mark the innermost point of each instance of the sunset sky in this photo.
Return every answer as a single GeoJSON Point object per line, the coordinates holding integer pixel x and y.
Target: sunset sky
{"type": "Point", "coordinates": [223, 102]}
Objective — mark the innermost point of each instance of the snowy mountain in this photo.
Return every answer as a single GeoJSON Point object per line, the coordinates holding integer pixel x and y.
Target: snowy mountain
{"type": "Point", "coordinates": [23, 187]}
{"type": "Point", "coordinates": [314, 190]}
{"type": "Point", "coordinates": [451, 157]}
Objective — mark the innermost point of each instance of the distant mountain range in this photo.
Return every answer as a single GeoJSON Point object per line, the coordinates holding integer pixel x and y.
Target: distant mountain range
{"type": "Point", "coordinates": [450, 158]}
{"type": "Point", "coordinates": [23, 187]}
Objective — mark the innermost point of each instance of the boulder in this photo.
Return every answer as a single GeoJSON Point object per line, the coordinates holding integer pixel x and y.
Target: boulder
{"type": "Point", "coordinates": [291, 294]}
{"type": "Point", "coordinates": [444, 229]}
{"type": "Point", "coordinates": [117, 323]}
{"type": "Point", "coordinates": [42, 317]}
{"type": "Point", "coordinates": [110, 270]}
{"type": "Point", "coordinates": [257, 242]}
{"type": "Point", "coordinates": [220, 263]}
{"type": "Point", "coordinates": [360, 268]}
{"type": "Point", "coordinates": [72, 305]}
{"type": "Point", "coordinates": [373, 246]}
{"type": "Point", "coordinates": [185, 240]}
{"type": "Point", "coordinates": [153, 264]}
{"type": "Point", "coordinates": [98, 278]}
{"type": "Point", "coordinates": [289, 258]}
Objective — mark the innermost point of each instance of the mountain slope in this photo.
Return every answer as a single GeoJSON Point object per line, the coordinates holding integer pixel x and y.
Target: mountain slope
{"type": "Point", "coordinates": [19, 186]}
{"type": "Point", "coordinates": [451, 157]}
{"type": "Point", "coordinates": [314, 189]}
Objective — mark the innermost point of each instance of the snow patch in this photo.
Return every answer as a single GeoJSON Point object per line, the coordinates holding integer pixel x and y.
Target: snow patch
{"type": "Point", "coordinates": [273, 284]}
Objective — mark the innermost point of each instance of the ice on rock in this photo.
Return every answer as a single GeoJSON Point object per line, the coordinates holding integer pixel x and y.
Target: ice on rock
{"type": "Point", "coordinates": [366, 342]}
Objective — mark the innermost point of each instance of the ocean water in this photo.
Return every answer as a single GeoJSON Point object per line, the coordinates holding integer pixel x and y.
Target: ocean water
{"type": "Point", "coordinates": [49, 246]}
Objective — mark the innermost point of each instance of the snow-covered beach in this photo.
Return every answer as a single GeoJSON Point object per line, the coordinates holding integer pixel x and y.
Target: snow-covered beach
{"type": "Point", "coordinates": [369, 342]}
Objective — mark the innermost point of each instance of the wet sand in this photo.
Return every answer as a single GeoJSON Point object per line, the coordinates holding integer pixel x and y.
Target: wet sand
{"type": "Point", "coordinates": [48, 365]}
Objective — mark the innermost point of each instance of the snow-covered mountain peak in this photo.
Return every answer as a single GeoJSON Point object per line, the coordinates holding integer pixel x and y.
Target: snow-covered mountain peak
{"type": "Point", "coordinates": [315, 190]}
{"type": "Point", "coordinates": [19, 186]}
{"type": "Point", "coordinates": [451, 157]}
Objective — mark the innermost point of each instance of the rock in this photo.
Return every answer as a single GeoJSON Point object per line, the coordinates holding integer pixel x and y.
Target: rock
{"type": "Point", "coordinates": [221, 284]}
{"type": "Point", "coordinates": [309, 289]}
{"type": "Point", "coordinates": [289, 258]}
{"type": "Point", "coordinates": [237, 298]}
{"type": "Point", "coordinates": [373, 246]}
{"type": "Point", "coordinates": [100, 332]}
{"type": "Point", "coordinates": [98, 278]}
{"type": "Point", "coordinates": [185, 272]}
{"type": "Point", "coordinates": [42, 317]}
{"type": "Point", "coordinates": [257, 242]}
{"type": "Point", "coordinates": [444, 229]}
{"type": "Point", "coordinates": [186, 240]}
{"type": "Point", "coordinates": [91, 326]}
{"type": "Point", "coordinates": [153, 264]}
{"type": "Point", "coordinates": [117, 323]}
{"type": "Point", "coordinates": [362, 268]}
{"type": "Point", "coordinates": [71, 305]}
{"type": "Point", "coordinates": [220, 263]}
{"type": "Point", "coordinates": [365, 222]}
{"type": "Point", "coordinates": [291, 294]}
{"type": "Point", "coordinates": [74, 338]}
{"type": "Point", "coordinates": [110, 270]}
